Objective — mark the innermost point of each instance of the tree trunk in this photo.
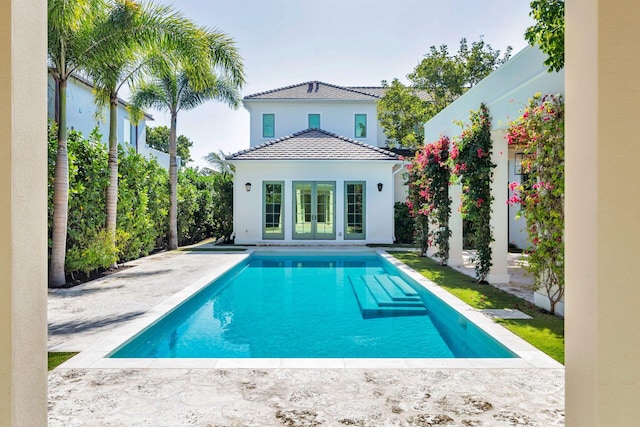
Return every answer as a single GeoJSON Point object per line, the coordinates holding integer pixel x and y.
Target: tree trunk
{"type": "Point", "coordinates": [173, 184]}
{"type": "Point", "coordinates": [112, 189]}
{"type": "Point", "coordinates": [60, 195]}
{"type": "Point", "coordinates": [423, 234]}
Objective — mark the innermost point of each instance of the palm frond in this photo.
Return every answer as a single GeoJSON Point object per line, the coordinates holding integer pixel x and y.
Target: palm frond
{"type": "Point", "coordinates": [150, 95]}
{"type": "Point", "coordinates": [219, 162]}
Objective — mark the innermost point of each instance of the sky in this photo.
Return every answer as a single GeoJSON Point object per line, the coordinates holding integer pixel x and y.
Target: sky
{"type": "Point", "coordinates": [341, 42]}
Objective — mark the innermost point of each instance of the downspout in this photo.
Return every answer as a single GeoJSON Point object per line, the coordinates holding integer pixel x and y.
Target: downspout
{"type": "Point", "coordinates": [393, 195]}
{"type": "Point", "coordinates": [233, 233]}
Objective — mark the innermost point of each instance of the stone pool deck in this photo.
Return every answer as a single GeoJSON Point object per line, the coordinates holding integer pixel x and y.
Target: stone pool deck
{"type": "Point", "coordinates": [82, 316]}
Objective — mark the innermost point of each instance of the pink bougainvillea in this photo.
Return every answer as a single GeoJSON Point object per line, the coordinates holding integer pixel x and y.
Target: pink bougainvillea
{"type": "Point", "coordinates": [472, 166]}
{"type": "Point", "coordinates": [539, 134]}
{"type": "Point", "coordinates": [428, 201]}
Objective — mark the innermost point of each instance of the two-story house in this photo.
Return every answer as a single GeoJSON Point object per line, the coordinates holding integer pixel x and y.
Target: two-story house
{"type": "Point", "coordinates": [316, 172]}
{"type": "Point", "coordinates": [83, 116]}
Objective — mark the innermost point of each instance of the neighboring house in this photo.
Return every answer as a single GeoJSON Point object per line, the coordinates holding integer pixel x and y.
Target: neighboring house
{"type": "Point", "coordinates": [316, 171]}
{"type": "Point", "coordinates": [505, 92]}
{"type": "Point", "coordinates": [83, 116]}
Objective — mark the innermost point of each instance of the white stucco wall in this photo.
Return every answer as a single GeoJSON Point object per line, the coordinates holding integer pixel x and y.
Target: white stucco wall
{"type": "Point", "coordinates": [335, 116]}
{"type": "Point", "coordinates": [517, 227]}
{"type": "Point", "coordinates": [505, 92]}
{"type": "Point", "coordinates": [81, 114]}
{"type": "Point", "coordinates": [151, 153]}
{"type": "Point", "coordinates": [248, 205]}
{"type": "Point", "coordinates": [401, 191]}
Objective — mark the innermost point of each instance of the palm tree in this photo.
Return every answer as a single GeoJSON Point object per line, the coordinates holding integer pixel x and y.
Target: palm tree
{"type": "Point", "coordinates": [174, 87]}
{"type": "Point", "coordinates": [218, 163]}
{"type": "Point", "coordinates": [72, 33]}
{"type": "Point", "coordinates": [149, 32]}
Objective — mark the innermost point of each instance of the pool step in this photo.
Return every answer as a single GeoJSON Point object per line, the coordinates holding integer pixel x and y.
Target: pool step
{"type": "Point", "coordinates": [380, 296]}
{"type": "Point", "coordinates": [397, 288]}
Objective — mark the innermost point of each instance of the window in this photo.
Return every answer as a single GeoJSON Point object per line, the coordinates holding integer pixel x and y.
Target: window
{"type": "Point", "coordinates": [354, 205]}
{"type": "Point", "coordinates": [272, 220]}
{"type": "Point", "coordinates": [314, 121]}
{"type": "Point", "coordinates": [268, 125]}
{"type": "Point", "coordinates": [126, 130]}
{"type": "Point", "coordinates": [361, 126]}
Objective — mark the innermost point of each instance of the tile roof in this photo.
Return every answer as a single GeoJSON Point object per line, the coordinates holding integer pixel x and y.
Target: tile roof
{"type": "Point", "coordinates": [373, 90]}
{"type": "Point", "coordinates": [318, 90]}
{"type": "Point", "coordinates": [314, 144]}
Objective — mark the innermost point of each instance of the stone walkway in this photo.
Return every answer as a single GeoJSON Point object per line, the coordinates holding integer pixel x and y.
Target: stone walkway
{"type": "Point", "coordinates": [520, 285]}
{"type": "Point", "coordinates": [306, 397]}
{"type": "Point", "coordinates": [82, 316]}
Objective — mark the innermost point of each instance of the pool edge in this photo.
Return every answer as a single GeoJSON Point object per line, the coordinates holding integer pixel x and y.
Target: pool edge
{"type": "Point", "coordinates": [96, 356]}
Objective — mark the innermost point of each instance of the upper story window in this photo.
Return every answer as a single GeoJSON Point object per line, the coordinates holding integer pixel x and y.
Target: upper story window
{"type": "Point", "coordinates": [268, 125]}
{"type": "Point", "coordinates": [126, 130]}
{"type": "Point", "coordinates": [361, 126]}
{"type": "Point", "coordinates": [314, 121]}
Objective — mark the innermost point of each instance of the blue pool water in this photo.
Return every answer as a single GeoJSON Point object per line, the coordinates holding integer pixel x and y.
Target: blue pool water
{"type": "Point", "coordinates": [313, 306]}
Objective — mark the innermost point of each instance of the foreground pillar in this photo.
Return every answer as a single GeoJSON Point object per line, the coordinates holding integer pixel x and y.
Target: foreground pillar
{"type": "Point", "coordinates": [602, 213]}
{"type": "Point", "coordinates": [23, 213]}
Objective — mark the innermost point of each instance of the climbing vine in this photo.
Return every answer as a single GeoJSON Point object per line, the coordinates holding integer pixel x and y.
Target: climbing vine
{"type": "Point", "coordinates": [429, 200]}
{"type": "Point", "coordinates": [471, 165]}
{"type": "Point", "coordinates": [417, 185]}
{"type": "Point", "coordinates": [539, 135]}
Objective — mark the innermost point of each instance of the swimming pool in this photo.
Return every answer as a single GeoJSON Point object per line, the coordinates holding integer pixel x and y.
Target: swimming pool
{"type": "Point", "coordinates": [320, 305]}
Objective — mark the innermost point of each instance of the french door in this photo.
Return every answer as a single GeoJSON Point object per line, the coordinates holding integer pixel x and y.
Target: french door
{"type": "Point", "coordinates": [314, 210]}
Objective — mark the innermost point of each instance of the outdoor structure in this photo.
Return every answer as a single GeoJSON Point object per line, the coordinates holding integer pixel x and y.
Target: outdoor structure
{"type": "Point", "coordinates": [505, 92]}
{"type": "Point", "coordinates": [315, 171]}
{"type": "Point", "coordinates": [83, 116]}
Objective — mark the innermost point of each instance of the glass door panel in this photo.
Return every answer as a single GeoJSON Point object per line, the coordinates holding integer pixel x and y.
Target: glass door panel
{"type": "Point", "coordinates": [302, 224]}
{"type": "Point", "coordinates": [272, 218]}
{"type": "Point", "coordinates": [355, 210]}
{"type": "Point", "coordinates": [324, 211]}
{"type": "Point", "coordinates": [314, 210]}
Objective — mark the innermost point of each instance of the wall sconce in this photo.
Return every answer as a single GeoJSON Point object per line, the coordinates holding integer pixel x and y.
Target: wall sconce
{"type": "Point", "coordinates": [379, 186]}
{"type": "Point", "coordinates": [517, 163]}
{"type": "Point", "coordinates": [247, 186]}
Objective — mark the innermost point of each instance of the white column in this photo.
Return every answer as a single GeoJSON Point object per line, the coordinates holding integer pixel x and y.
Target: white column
{"type": "Point", "coordinates": [602, 228]}
{"type": "Point", "coordinates": [23, 214]}
{"type": "Point", "coordinates": [499, 272]}
{"type": "Point", "coordinates": [455, 225]}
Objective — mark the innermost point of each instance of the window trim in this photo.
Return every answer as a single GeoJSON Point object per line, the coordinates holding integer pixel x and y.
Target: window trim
{"type": "Point", "coordinates": [273, 125]}
{"type": "Point", "coordinates": [309, 120]}
{"type": "Point", "coordinates": [272, 236]}
{"type": "Point", "coordinates": [346, 234]}
{"type": "Point", "coordinates": [355, 125]}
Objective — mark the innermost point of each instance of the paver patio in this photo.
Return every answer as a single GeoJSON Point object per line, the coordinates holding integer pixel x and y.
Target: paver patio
{"type": "Point", "coordinates": [83, 315]}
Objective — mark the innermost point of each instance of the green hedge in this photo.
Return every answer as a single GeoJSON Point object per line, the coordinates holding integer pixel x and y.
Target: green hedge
{"type": "Point", "coordinates": [405, 224]}
{"type": "Point", "coordinates": [204, 205]}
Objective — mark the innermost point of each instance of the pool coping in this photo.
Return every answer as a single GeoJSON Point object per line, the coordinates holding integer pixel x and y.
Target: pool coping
{"type": "Point", "coordinates": [528, 355]}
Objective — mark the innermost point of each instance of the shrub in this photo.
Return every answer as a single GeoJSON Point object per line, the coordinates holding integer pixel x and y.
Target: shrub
{"type": "Point", "coordinates": [88, 248]}
{"type": "Point", "coordinates": [205, 204]}
{"type": "Point", "coordinates": [405, 225]}
{"type": "Point", "coordinates": [142, 205]}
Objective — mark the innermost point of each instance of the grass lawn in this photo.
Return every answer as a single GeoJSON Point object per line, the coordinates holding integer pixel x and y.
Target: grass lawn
{"type": "Point", "coordinates": [544, 331]}
{"type": "Point", "coordinates": [55, 359]}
